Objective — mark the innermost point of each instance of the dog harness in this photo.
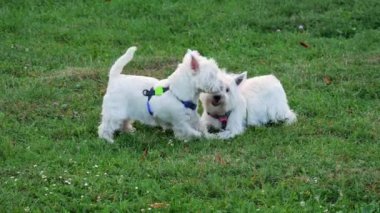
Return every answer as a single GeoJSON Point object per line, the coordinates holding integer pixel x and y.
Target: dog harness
{"type": "Point", "coordinates": [158, 91]}
{"type": "Point", "coordinates": [223, 119]}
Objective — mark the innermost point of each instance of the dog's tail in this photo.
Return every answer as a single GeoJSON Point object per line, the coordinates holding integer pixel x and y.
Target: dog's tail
{"type": "Point", "coordinates": [119, 64]}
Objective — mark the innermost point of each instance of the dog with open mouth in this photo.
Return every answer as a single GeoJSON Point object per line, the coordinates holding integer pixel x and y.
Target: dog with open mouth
{"type": "Point", "coordinates": [245, 102]}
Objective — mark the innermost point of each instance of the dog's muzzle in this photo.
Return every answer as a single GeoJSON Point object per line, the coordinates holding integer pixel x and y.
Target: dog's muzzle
{"type": "Point", "coordinates": [216, 100]}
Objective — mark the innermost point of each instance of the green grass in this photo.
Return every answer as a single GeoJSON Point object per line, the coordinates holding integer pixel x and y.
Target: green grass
{"type": "Point", "coordinates": [54, 62]}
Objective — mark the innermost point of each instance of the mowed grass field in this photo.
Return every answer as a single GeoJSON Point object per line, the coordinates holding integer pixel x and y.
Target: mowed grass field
{"type": "Point", "coordinates": [54, 62]}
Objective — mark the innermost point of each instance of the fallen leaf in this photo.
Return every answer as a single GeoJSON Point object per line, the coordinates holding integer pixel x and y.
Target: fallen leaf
{"type": "Point", "coordinates": [145, 153]}
{"type": "Point", "coordinates": [304, 44]}
{"type": "Point", "coordinates": [327, 80]}
{"type": "Point", "coordinates": [219, 159]}
{"type": "Point", "coordinates": [159, 205]}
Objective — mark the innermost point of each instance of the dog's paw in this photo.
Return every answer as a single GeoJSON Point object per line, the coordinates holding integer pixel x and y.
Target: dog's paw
{"type": "Point", "coordinates": [129, 129]}
{"type": "Point", "coordinates": [224, 135]}
{"type": "Point", "coordinates": [109, 140]}
{"type": "Point", "coordinates": [209, 136]}
{"type": "Point", "coordinates": [132, 130]}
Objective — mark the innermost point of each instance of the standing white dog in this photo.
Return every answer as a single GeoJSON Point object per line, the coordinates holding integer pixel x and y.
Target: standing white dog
{"type": "Point", "coordinates": [255, 101]}
{"type": "Point", "coordinates": [170, 103]}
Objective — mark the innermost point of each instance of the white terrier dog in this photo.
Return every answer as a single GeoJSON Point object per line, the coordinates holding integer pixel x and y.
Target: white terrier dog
{"type": "Point", "coordinates": [255, 101]}
{"type": "Point", "coordinates": [170, 103]}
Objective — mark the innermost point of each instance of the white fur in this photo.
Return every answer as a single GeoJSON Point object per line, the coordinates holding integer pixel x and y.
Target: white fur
{"type": "Point", "coordinates": [124, 102]}
{"type": "Point", "coordinates": [255, 101]}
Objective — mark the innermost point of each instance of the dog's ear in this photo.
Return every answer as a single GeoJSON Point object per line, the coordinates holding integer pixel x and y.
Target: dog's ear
{"type": "Point", "coordinates": [196, 52]}
{"type": "Point", "coordinates": [240, 78]}
{"type": "Point", "coordinates": [194, 64]}
{"type": "Point", "coordinates": [193, 52]}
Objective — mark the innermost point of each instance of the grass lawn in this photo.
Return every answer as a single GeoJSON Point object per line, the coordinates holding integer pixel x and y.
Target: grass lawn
{"type": "Point", "coordinates": [54, 62]}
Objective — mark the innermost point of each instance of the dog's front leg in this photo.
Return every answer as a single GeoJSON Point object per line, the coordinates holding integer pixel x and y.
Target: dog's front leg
{"type": "Point", "coordinates": [165, 126]}
{"type": "Point", "coordinates": [200, 124]}
{"type": "Point", "coordinates": [184, 131]}
{"type": "Point", "coordinates": [204, 129]}
{"type": "Point", "coordinates": [183, 125]}
{"type": "Point", "coordinates": [235, 126]}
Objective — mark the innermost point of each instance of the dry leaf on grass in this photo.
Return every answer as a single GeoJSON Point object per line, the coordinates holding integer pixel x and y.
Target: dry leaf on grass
{"type": "Point", "coordinates": [219, 159]}
{"type": "Point", "coordinates": [302, 43]}
{"type": "Point", "coordinates": [145, 154]}
{"type": "Point", "coordinates": [327, 79]}
{"type": "Point", "coordinates": [159, 205]}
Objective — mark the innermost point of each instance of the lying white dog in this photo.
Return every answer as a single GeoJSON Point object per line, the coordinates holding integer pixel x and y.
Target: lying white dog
{"type": "Point", "coordinates": [170, 103]}
{"type": "Point", "coordinates": [256, 101]}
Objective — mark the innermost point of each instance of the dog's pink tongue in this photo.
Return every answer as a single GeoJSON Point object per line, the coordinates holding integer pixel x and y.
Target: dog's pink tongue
{"type": "Point", "coordinates": [223, 119]}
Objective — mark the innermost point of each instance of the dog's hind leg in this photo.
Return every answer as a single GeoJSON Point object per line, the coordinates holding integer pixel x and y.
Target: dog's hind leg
{"type": "Point", "coordinates": [128, 127]}
{"type": "Point", "coordinates": [108, 127]}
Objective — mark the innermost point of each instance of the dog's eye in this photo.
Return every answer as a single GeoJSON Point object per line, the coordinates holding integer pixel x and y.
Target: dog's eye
{"type": "Point", "coordinates": [228, 89]}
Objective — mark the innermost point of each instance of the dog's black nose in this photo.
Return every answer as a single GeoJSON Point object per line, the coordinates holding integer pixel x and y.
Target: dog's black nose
{"type": "Point", "coordinates": [217, 97]}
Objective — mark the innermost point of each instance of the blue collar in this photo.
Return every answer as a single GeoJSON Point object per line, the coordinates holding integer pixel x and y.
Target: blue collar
{"type": "Point", "coordinates": [189, 104]}
{"type": "Point", "coordinates": [151, 92]}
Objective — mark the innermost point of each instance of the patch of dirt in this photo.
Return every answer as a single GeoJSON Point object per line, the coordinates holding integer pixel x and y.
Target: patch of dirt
{"type": "Point", "coordinates": [153, 67]}
{"type": "Point", "coordinates": [375, 59]}
{"type": "Point", "coordinates": [76, 73]}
